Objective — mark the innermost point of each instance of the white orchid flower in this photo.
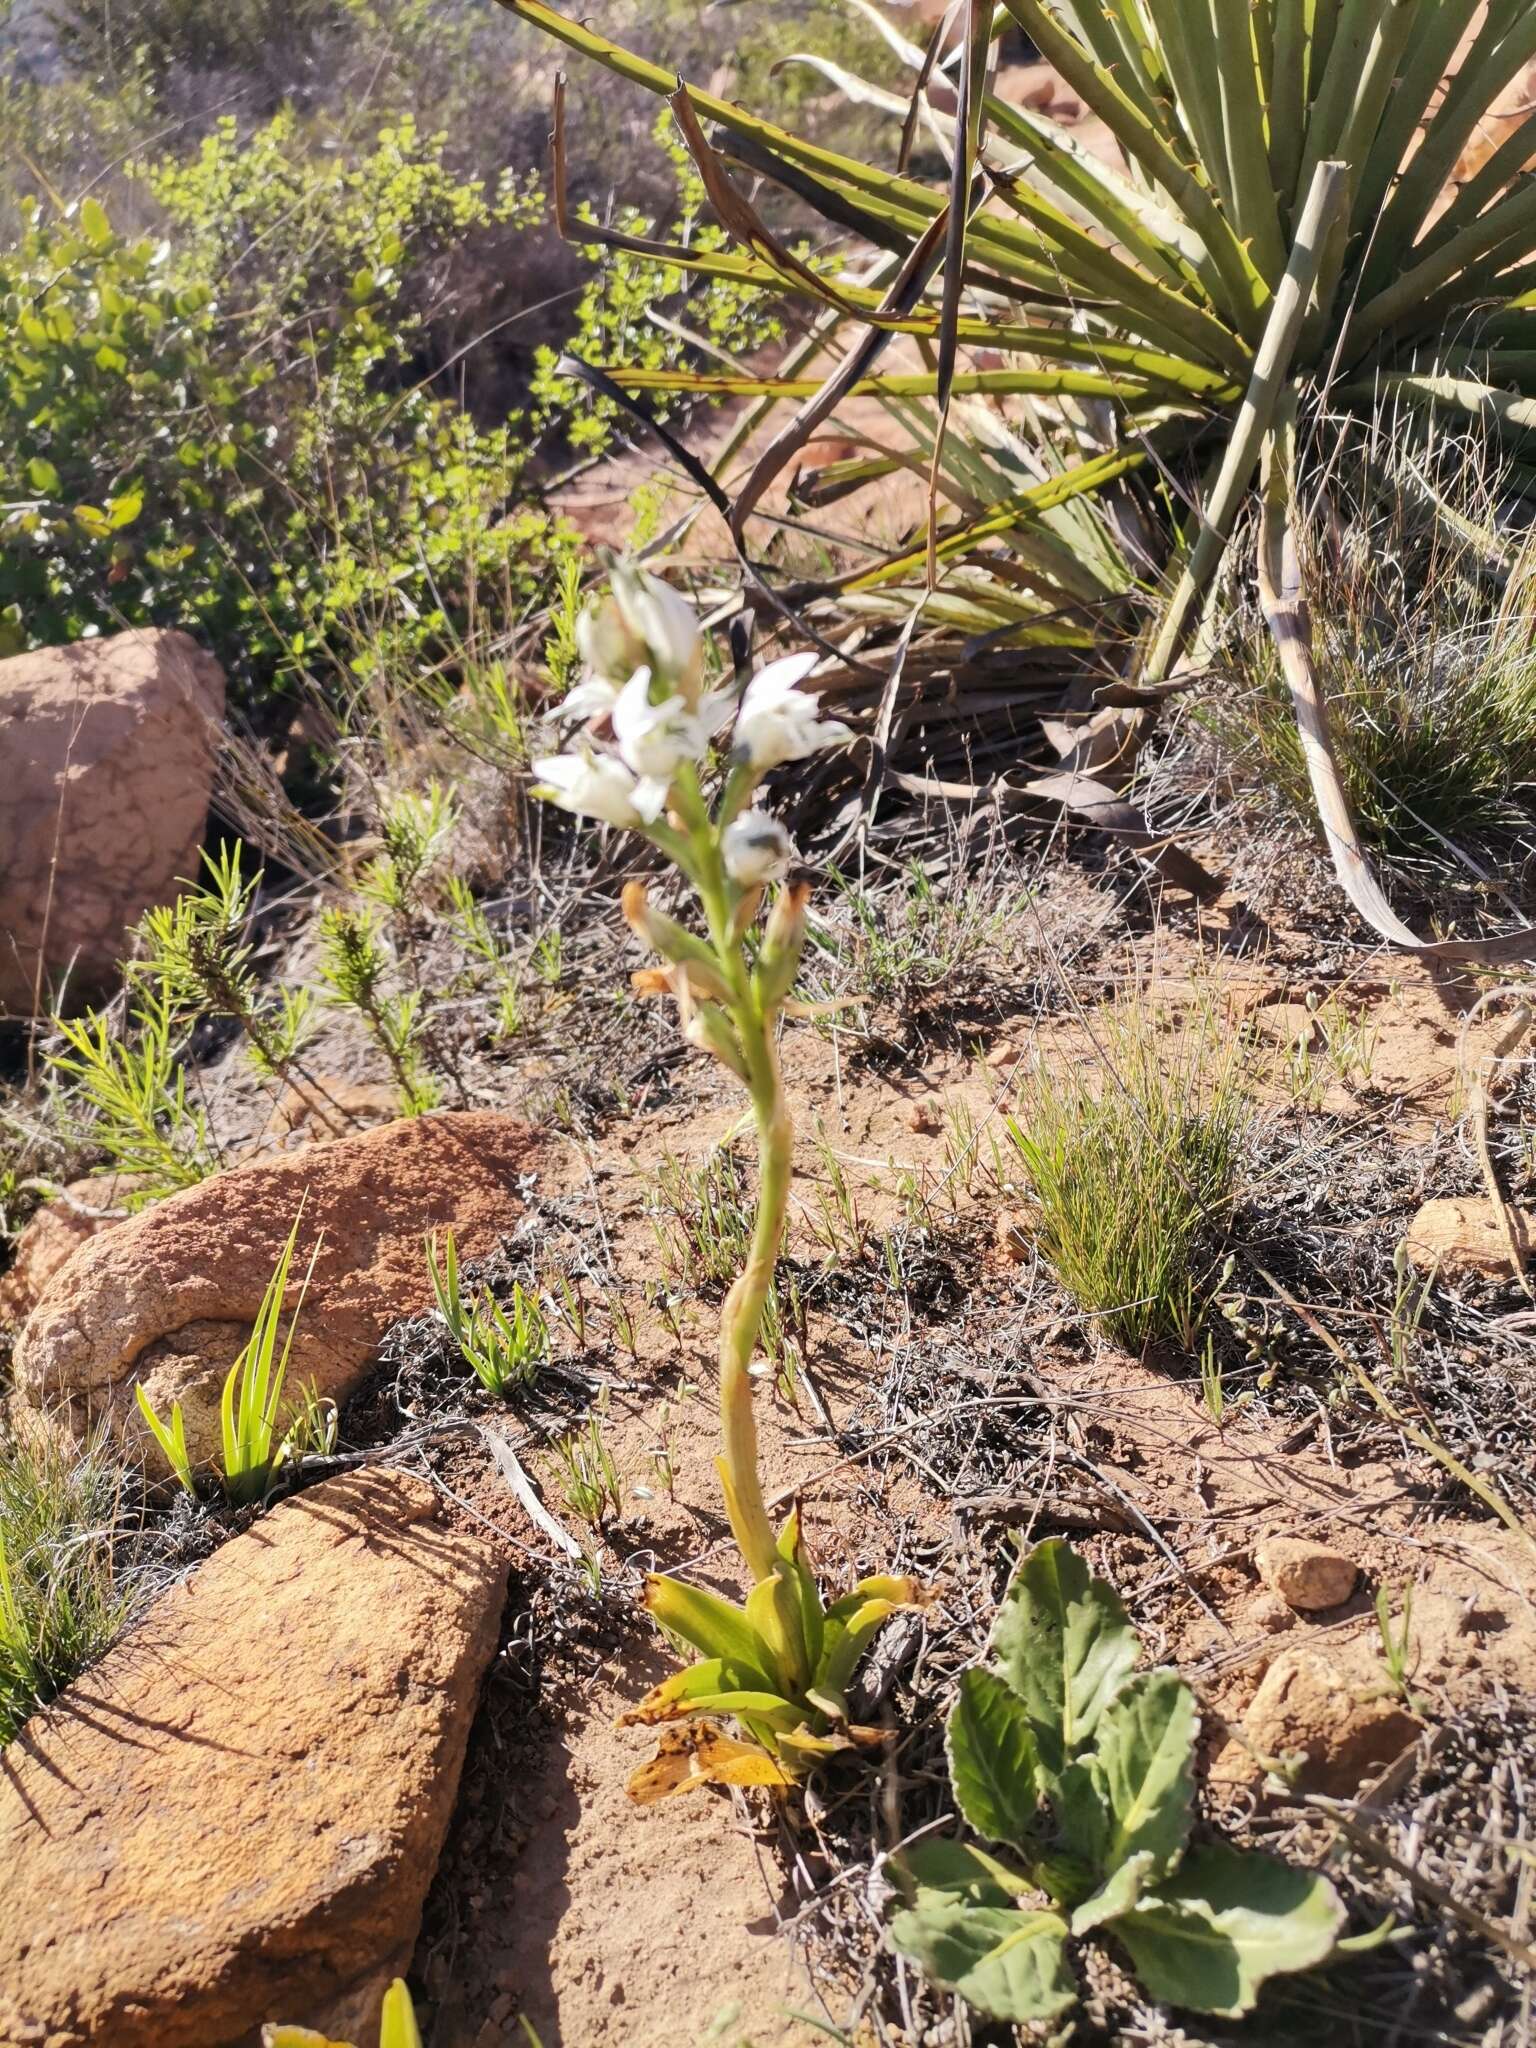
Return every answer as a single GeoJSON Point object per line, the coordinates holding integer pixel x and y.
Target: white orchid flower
{"type": "Point", "coordinates": [656, 738]}
{"type": "Point", "coordinates": [593, 697]}
{"type": "Point", "coordinates": [778, 721]}
{"type": "Point", "coordinates": [592, 785]}
{"type": "Point", "coordinates": [756, 849]}
{"type": "Point", "coordinates": [644, 623]}
{"type": "Point", "coordinates": [666, 623]}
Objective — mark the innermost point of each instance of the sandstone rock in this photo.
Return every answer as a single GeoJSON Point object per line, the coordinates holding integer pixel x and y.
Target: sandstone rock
{"type": "Point", "coordinates": [334, 1108]}
{"type": "Point", "coordinates": [922, 1115]}
{"type": "Point", "coordinates": [236, 1815]}
{"type": "Point", "coordinates": [1464, 1235]}
{"type": "Point", "coordinates": [1308, 1576]}
{"type": "Point", "coordinates": [60, 1227]}
{"type": "Point", "coordinates": [109, 749]}
{"type": "Point", "coordinates": [1344, 1734]}
{"type": "Point", "coordinates": [169, 1296]}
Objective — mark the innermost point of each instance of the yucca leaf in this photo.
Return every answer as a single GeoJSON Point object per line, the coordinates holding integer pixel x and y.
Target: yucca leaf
{"type": "Point", "coordinates": [1087, 477]}
{"type": "Point", "coordinates": [1240, 463]}
{"type": "Point", "coordinates": [1436, 36]}
{"type": "Point", "coordinates": [1254, 207]}
{"type": "Point", "coordinates": [902, 384]}
{"type": "Point", "coordinates": [1247, 291]}
{"type": "Point", "coordinates": [1489, 65]}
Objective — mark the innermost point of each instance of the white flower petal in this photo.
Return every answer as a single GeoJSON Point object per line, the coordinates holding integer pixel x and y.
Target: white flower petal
{"type": "Point", "coordinates": [591, 698]}
{"type": "Point", "coordinates": [650, 798]}
{"type": "Point", "coordinates": [788, 672]}
{"type": "Point", "coordinates": [592, 785]}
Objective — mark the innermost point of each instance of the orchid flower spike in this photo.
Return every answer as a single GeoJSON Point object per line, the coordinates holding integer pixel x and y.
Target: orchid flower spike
{"type": "Point", "coordinates": [778, 721]}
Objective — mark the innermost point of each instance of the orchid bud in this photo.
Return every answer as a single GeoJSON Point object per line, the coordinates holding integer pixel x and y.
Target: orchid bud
{"type": "Point", "coordinates": [783, 942]}
{"type": "Point", "coordinates": [711, 1030]}
{"type": "Point", "coordinates": [609, 645]}
{"type": "Point", "coordinates": [665, 625]}
{"type": "Point", "coordinates": [756, 848]}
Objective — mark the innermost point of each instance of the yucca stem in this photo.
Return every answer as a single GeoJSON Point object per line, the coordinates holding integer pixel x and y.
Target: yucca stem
{"type": "Point", "coordinates": [741, 1318]}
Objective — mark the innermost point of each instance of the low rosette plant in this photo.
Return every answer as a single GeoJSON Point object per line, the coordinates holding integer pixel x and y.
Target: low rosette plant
{"type": "Point", "coordinates": [1081, 1769]}
{"type": "Point", "coordinates": [659, 753]}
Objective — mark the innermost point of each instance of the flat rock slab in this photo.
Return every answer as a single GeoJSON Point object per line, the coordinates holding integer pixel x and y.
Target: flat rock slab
{"type": "Point", "coordinates": [235, 1816]}
{"type": "Point", "coordinates": [168, 1297]}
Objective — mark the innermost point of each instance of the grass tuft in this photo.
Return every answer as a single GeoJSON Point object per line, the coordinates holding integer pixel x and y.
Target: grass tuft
{"type": "Point", "coordinates": [62, 1598]}
{"type": "Point", "coordinates": [1133, 1165]}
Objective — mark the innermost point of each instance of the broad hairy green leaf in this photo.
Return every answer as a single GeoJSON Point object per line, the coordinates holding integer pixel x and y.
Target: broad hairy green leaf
{"type": "Point", "coordinates": [1065, 1646]}
{"type": "Point", "coordinates": [993, 1761]}
{"type": "Point", "coordinates": [1006, 1961]}
{"type": "Point", "coordinates": [944, 1865]}
{"type": "Point", "coordinates": [1118, 1894]}
{"type": "Point", "coordinates": [1210, 1935]}
{"type": "Point", "coordinates": [1145, 1766]}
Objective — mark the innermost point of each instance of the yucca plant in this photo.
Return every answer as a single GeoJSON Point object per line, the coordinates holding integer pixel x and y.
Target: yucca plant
{"type": "Point", "coordinates": [1281, 225]}
{"type": "Point", "coordinates": [253, 1439]}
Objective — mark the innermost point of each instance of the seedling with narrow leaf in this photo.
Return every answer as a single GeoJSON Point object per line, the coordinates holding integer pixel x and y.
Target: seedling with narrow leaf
{"type": "Point", "coordinates": [1080, 1770]}
{"type": "Point", "coordinates": [397, 2026]}
{"type": "Point", "coordinates": [254, 1439]}
{"type": "Point", "coordinates": [504, 1349]}
{"type": "Point", "coordinates": [647, 760]}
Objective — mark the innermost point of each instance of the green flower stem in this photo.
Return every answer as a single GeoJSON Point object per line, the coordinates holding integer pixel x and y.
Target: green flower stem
{"type": "Point", "coordinates": [741, 1318]}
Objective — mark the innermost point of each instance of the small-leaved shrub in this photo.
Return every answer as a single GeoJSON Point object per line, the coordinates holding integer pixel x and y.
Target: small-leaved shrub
{"type": "Point", "coordinates": [221, 426]}
{"type": "Point", "coordinates": [1081, 1770]}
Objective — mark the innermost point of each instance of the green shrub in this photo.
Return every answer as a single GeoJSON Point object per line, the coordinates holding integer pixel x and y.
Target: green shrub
{"type": "Point", "coordinates": [221, 428]}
